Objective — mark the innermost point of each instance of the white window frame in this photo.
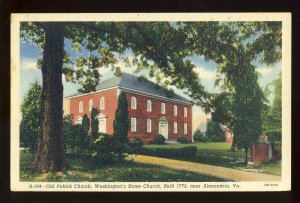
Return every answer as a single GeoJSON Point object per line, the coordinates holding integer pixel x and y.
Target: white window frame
{"type": "Point", "coordinates": [149, 105]}
{"type": "Point", "coordinates": [133, 103]}
{"type": "Point", "coordinates": [133, 124]}
{"type": "Point", "coordinates": [175, 128]}
{"type": "Point", "coordinates": [80, 107]}
{"type": "Point", "coordinates": [91, 103]}
{"type": "Point", "coordinates": [163, 108]}
{"type": "Point", "coordinates": [149, 125]}
{"type": "Point", "coordinates": [102, 103]}
{"type": "Point", "coordinates": [175, 110]}
{"type": "Point", "coordinates": [185, 128]}
{"type": "Point", "coordinates": [185, 112]}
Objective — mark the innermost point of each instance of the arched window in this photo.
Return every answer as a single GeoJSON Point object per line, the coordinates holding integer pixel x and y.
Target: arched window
{"type": "Point", "coordinates": [175, 127]}
{"type": "Point", "coordinates": [149, 105]}
{"type": "Point", "coordinates": [133, 103]}
{"type": "Point", "coordinates": [102, 103]}
{"type": "Point", "coordinates": [80, 107]}
{"type": "Point", "coordinates": [90, 105]}
{"type": "Point", "coordinates": [175, 110]}
{"type": "Point", "coordinates": [163, 108]}
{"type": "Point", "coordinates": [185, 112]}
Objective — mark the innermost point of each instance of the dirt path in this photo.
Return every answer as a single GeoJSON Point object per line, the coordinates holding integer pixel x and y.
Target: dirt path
{"type": "Point", "coordinates": [216, 171]}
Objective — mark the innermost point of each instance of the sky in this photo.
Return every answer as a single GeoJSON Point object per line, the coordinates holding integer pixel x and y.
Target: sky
{"type": "Point", "coordinates": [207, 71]}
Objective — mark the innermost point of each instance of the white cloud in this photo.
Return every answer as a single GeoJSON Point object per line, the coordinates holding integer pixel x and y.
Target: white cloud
{"type": "Point", "coordinates": [205, 74]}
{"type": "Point", "coordinates": [264, 70]}
{"type": "Point", "coordinates": [28, 64]}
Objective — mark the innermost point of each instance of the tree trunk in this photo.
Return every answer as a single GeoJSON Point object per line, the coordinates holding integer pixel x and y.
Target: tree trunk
{"type": "Point", "coordinates": [246, 156]}
{"type": "Point", "coordinates": [51, 155]}
{"type": "Point", "coordinates": [233, 145]}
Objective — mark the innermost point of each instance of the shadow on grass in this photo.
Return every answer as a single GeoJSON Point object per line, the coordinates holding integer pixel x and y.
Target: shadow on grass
{"type": "Point", "coordinates": [87, 169]}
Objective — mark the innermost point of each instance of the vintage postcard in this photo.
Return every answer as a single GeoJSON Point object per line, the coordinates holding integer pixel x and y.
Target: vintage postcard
{"type": "Point", "coordinates": [151, 102]}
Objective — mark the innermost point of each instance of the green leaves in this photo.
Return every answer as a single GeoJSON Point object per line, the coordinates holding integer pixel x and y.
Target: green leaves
{"type": "Point", "coordinates": [30, 123]}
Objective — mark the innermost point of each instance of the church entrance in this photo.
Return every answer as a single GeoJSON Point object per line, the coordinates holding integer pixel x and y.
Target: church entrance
{"type": "Point", "coordinates": [163, 127]}
{"type": "Point", "coordinates": [102, 122]}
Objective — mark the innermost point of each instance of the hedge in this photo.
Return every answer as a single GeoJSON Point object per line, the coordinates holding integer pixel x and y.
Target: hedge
{"type": "Point", "coordinates": [182, 152]}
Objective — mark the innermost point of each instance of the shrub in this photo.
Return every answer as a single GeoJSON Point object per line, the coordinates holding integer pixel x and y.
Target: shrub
{"type": "Point", "coordinates": [159, 139]}
{"type": "Point", "coordinates": [189, 151]}
{"type": "Point", "coordinates": [204, 139]}
{"type": "Point", "coordinates": [108, 149]}
{"type": "Point", "coordinates": [182, 140]}
{"type": "Point", "coordinates": [135, 146]}
{"type": "Point", "coordinates": [94, 122]}
{"type": "Point", "coordinates": [197, 136]}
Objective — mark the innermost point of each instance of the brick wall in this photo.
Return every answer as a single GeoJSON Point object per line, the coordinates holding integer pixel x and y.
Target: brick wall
{"type": "Point", "coordinates": [110, 106]}
{"type": "Point", "coordinates": [259, 153]}
{"type": "Point", "coordinates": [140, 114]}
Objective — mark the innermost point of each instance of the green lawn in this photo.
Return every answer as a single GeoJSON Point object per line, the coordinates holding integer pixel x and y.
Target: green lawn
{"type": "Point", "coordinates": [128, 171]}
{"type": "Point", "coordinates": [271, 167]}
{"type": "Point", "coordinates": [217, 153]}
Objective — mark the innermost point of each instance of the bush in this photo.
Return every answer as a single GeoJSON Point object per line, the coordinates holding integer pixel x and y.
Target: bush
{"type": "Point", "coordinates": [159, 139]}
{"type": "Point", "coordinates": [204, 139]}
{"type": "Point", "coordinates": [197, 136]}
{"type": "Point", "coordinates": [108, 149]}
{"type": "Point", "coordinates": [182, 140]}
{"type": "Point", "coordinates": [189, 151]}
{"type": "Point", "coordinates": [135, 146]}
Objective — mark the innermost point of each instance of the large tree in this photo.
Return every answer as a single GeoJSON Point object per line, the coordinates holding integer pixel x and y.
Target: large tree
{"type": "Point", "coordinates": [157, 46]}
{"type": "Point", "coordinates": [235, 47]}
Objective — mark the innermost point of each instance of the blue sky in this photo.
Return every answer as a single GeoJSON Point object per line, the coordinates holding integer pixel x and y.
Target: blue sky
{"type": "Point", "coordinates": [207, 71]}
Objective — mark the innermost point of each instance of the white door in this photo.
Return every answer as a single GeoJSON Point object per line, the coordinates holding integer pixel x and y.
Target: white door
{"type": "Point", "coordinates": [163, 128]}
{"type": "Point", "coordinates": [102, 125]}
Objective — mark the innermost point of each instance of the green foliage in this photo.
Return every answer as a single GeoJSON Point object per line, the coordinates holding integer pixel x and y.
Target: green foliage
{"type": "Point", "coordinates": [204, 139]}
{"type": "Point", "coordinates": [121, 123]}
{"type": "Point", "coordinates": [135, 146]}
{"type": "Point", "coordinates": [214, 132]}
{"type": "Point", "coordinates": [273, 114]}
{"type": "Point", "coordinates": [30, 123]}
{"type": "Point", "coordinates": [107, 149]}
{"type": "Point", "coordinates": [94, 122]}
{"type": "Point", "coordinates": [76, 139]}
{"type": "Point", "coordinates": [222, 104]}
{"type": "Point", "coordinates": [182, 140]}
{"type": "Point", "coordinates": [86, 123]}
{"type": "Point", "coordinates": [197, 136]}
{"type": "Point", "coordinates": [189, 151]}
{"type": "Point", "coordinates": [159, 139]}
{"type": "Point", "coordinates": [247, 110]}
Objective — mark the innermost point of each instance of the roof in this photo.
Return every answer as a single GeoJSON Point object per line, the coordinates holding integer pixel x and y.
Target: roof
{"type": "Point", "coordinates": [132, 82]}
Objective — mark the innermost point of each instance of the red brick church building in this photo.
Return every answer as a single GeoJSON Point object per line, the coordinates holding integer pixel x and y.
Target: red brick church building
{"type": "Point", "coordinates": [151, 110]}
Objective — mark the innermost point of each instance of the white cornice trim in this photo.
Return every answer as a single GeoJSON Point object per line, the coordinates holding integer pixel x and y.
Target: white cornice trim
{"type": "Point", "coordinates": [133, 91]}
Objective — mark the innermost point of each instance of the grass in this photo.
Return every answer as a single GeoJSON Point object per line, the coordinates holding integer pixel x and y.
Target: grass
{"type": "Point", "coordinates": [212, 153]}
{"type": "Point", "coordinates": [270, 167]}
{"type": "Point", "coordinates": [128, 171]}
{"type": "Point", "coordinates": [217, 154]}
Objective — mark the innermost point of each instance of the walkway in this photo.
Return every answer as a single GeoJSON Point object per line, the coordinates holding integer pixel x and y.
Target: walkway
{"type": "Point", "coordinates": [216, 171]}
